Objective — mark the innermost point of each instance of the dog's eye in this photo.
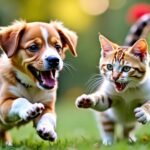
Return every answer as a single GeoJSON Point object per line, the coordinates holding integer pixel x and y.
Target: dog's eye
{"type": "Point", "coordinates": [58, 47]}
{"type": "Point", "coordinates": [33, 48]}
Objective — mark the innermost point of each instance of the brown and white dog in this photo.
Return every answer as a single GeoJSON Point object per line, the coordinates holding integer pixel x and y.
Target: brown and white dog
{"type": "Point", "coordinates": [29, 67]}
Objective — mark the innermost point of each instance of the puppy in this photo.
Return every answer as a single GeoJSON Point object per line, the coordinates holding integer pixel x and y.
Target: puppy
{"type": "Point", "coordinates": [29, 67]}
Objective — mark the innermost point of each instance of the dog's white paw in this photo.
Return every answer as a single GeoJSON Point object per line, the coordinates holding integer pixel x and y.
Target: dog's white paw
{"type": "Point", "coordinates": [46, 132]}
{"type": "Point", "coordinates": [45, 127]}
{"type": "Point", "coordinates": [31, 111]}
{"type": "Point", "coordinates": [141, 115]}
{"type": "Point", "coordinates": [85, 101]}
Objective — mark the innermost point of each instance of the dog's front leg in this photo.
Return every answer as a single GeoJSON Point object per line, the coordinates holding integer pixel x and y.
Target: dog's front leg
{"type": "Point", "coordinates": [45, 124]}
{"type": "Point", "coordinates": [20, 109]}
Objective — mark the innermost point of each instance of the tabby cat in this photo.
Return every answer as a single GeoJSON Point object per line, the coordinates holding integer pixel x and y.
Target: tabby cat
{"type": "Point", "coordinates": [124, 95]}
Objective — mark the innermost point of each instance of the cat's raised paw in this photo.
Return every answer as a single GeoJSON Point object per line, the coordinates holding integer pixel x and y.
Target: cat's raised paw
{"type": "Point", "coordinates": [85, 101]}
{"type": "Point", "coordinates": [141, 115]}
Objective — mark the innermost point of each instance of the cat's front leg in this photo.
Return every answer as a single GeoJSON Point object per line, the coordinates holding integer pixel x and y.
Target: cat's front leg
{"type": "Point", "coordinates": [85, 101]}
{"type": "Point", "coordinates": [95, 101]}
{"type": "Point", "coordinates": [142, 113]}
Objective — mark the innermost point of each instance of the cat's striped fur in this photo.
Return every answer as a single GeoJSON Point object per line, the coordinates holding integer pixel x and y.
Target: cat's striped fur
{"type": "Point", "coordinates": [124, 95]}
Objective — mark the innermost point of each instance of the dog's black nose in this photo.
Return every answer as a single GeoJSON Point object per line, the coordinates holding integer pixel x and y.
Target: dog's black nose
{"type": "Point", "coordinates": [53, 61]}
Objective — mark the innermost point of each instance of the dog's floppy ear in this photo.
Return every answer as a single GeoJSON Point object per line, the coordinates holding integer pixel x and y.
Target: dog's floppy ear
{"type": "Point", "coordinates": [68, 37]}
{"type": "Point", "coordinates": [10, 36]}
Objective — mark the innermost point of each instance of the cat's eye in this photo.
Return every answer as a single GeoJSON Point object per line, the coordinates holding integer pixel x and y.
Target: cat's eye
{"type": "Point", "coordinates": [126, 68]}
{"type": "Point", "coordinates": [110, 67]}
{"type": "Point", "coordinates": [33, 48]}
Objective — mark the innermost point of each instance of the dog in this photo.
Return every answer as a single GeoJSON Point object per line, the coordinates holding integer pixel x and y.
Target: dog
{"type": "Point", "coordinates": [32, 58]}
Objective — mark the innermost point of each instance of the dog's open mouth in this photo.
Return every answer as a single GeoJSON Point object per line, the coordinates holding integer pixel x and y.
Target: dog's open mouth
{"type": "Point", "coordinates": [120, 86]}
{"type": "Point", "coordinates": [46, 79]}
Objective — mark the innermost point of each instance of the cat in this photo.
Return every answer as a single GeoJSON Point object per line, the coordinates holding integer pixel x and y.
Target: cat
{"type": "Point", "coordinates": [124, 95]}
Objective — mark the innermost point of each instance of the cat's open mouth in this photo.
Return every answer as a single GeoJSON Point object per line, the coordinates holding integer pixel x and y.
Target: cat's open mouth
{"type": "Point", "coordinates": [120, 86]}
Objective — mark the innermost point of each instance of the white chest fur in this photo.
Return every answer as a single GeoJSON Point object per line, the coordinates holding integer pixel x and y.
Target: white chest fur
{"type": "Point", "coordinates": [33, 94]}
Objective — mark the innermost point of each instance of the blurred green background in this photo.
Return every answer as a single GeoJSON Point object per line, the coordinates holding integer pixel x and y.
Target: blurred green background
{"type": "Point", "coordinates": [86, 18]}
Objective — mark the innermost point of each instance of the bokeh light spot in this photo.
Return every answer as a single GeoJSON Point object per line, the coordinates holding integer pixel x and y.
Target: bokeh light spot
{"type": "Point", "coordinates": [94, 7]}
{"type": "Point", "coordinates": [70, 13]}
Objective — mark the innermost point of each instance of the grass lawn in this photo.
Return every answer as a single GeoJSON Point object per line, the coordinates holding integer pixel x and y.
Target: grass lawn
{"type": "Point", "coordinates": [76, 131]}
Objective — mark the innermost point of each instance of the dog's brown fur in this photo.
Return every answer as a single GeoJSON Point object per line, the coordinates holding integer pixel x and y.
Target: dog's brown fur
{"type": "Point", "coordinates": [15, 40]}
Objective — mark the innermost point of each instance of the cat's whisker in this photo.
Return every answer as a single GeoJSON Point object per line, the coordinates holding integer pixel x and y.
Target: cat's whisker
{"type": "Point", "coordinates": [94, 87]}
{"type": "Point", "coordinates": [68, 67]}
{"type": "Point", "coordinates": [94, 82]}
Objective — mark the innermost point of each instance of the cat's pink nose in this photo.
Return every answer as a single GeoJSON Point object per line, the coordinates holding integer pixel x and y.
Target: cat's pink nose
{"type": "Point", "coordinates": [115, 76]}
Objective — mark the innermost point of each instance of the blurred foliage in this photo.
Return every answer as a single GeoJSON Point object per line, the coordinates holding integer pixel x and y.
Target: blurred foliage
{"type": "Point", "coordinates": [112, 23]}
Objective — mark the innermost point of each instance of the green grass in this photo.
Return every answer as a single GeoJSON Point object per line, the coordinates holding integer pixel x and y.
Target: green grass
{"type": "Point", "coordinates": [76, 131]}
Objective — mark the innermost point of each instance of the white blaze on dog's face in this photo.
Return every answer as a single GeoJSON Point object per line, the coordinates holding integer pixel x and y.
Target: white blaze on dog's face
{"type": "Point", "coordinates": [50, 52]}
{"type": "Point", "coordinates": [37, 50]}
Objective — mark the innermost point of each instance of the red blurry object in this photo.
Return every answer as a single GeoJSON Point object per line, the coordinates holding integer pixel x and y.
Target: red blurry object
{"type": "Point", "coordinates": [136, 11]}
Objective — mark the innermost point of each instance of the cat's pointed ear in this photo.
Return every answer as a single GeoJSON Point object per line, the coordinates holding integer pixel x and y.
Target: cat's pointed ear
{"type": "Point", "coordinates": [140, 49]}
{"type": "Point", "coordinates": [106, 45]}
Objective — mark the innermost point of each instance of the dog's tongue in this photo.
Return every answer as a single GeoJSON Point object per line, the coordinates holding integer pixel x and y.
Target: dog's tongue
{"type": "Point", "coordinates": [48, 79]}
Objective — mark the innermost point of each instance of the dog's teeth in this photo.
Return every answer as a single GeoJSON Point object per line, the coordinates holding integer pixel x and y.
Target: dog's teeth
{"type": "Point", "coordinates": [38, 73]}
{"type": "Point", "coordinates": [52, 74]}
